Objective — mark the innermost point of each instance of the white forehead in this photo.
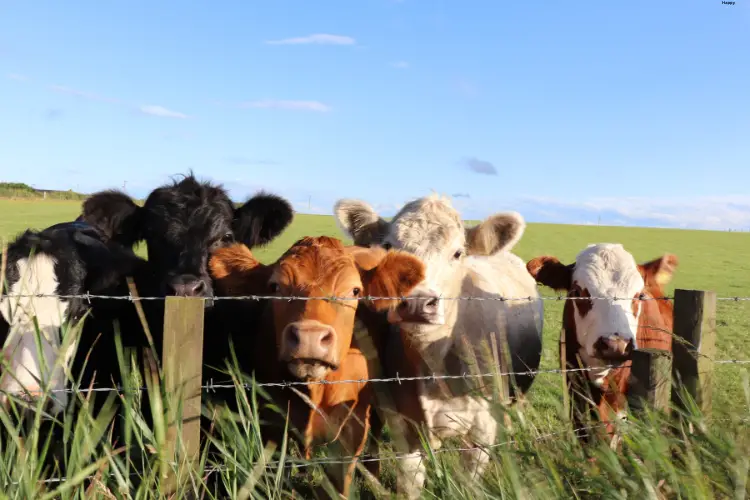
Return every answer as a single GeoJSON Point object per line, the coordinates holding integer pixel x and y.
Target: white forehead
{"type": "Point", "coordinates": [427, 225]}
{"type": "Point", "coordinates": [607, 268]}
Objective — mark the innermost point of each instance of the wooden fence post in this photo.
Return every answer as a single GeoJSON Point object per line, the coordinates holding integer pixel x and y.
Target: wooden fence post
{"type": "Point", "coordinates": [182, 360]}
{"type": "Point", "coordinates": [693, 347]}
{"type": "Point", "coordinates": [650, 381]}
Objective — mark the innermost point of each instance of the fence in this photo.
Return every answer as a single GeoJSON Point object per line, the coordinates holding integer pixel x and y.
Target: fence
{"type": "Point", "coordinates": [690, 364]}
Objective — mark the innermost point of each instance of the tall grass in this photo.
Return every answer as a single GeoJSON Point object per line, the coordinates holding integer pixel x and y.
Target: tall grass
{"type": "Point", "coordinates": [661, 457]}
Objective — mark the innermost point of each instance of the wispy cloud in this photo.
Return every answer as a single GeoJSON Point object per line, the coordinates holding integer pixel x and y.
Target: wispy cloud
{"type": "Point", "coordinates": [53, 114]}
{"type": "Point", "coordinates": [242, 160]}
{"type": "Point", "coordinates": [60, 89]}
{"type": "Point", "coordinates": [708, 212]}
{"type": "Point", "coordinates": [400, 64]}
{"type": "Point", "coordinates": [461, 195]}
{"type": "Point", "coordinates": [480, 166]}
{"type": "Point", "coordinates": [161, 112]}
{"type": "Point", "coordinates": [18, 77]}
{"type": "Point", "coordinates": [287, 105]}
{"type": "Point", "coordinates": [318, 39]}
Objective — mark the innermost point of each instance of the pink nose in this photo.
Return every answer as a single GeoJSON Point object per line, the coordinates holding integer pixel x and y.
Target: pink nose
{"type": "Point", "coordinates": [419, 307]}
{"type": "Point", "coordinates": [613, 347]}
{"type": "Point", "coordinates": [313, 341]}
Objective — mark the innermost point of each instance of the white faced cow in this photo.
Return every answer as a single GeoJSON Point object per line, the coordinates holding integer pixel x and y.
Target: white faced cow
{"type": "Point", "coordinates": [614, 312]}
{"type": "Point", "coordinates": [458, 261]}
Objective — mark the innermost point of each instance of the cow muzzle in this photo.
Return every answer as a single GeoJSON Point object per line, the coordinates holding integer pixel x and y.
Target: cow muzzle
{"type": "Point", "coordinates": [422, 307]}
{"type": "Point", "coordinates": [309, 349]}
{"type": "Point", "coordinates": [613, 348]}
{"type": "Point", "coordinates": [189, 285]}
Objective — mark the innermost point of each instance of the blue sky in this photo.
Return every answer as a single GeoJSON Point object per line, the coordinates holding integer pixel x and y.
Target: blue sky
{"type": "Point", "coordinates": [634, 112]}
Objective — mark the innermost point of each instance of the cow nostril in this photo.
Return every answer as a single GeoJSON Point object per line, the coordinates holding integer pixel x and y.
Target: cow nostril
{"type": "Point", "coordinates": [432, 303]}
{"type": "Point", "coordinates": [326, 340]}
{"type": "Point", "coordinates": [199, 287]}
{"type": "Point", "coordinates": [629, 347]}
{"type": "Point", "coordinates": [292, 336]}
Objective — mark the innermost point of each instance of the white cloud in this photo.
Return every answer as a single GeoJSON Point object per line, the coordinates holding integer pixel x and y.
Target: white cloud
{"type": "Point", "coordinates": [288, 105]}
{"type": "Point", "coordinates": [81, 93]}
{"type": "Point", "coordinates": [161, 112]}
{"type": "Point", "coordinates": [319, 39]}
{"type": "Point", "coordinates": [18, 77]}
{"type": "Point", "coordinates": [400, 64]}
{"type": "Point", "coordinates": [706, 212]}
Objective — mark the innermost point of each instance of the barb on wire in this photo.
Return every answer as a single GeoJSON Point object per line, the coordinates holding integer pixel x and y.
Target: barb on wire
{"type": "Point", "coordinates": [211, 386]}
{"type": "Point", "coordinates": [528, 298]}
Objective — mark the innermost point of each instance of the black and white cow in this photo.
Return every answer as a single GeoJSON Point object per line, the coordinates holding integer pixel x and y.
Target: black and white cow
{"type": "Point", "coordinates": [66, 259]}
{"type": "Point", "coordinates": [181, 222]}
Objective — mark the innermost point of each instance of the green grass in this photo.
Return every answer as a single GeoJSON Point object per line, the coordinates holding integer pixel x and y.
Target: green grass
{"type": "Point", "coordinates": [555, 468]}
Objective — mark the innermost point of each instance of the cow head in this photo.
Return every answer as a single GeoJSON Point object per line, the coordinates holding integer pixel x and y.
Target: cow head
{"type": "Point", "coordinates": [605, 328]}
{"type": "Point", "coordinates": [313, 336]}
{"type": "Point", "coordinates": [45, 272]}
{"type": "Point", "coordinates": [182, 223]}
{"type": "Point", "coordinates": [431, 229]}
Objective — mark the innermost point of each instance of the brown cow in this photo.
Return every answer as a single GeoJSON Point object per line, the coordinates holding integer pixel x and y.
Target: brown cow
{"type": "Point", "coordinates": [312, 339]}
{"type": "Point", "coordinates": [602, 333]}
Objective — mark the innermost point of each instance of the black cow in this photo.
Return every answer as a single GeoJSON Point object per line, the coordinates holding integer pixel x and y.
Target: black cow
{"type": "Point", "coordinates": [181, 223]}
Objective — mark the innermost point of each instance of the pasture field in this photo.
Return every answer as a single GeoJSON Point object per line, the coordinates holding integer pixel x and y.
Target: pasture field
{"type": "Point", "coordinates": [718, 261]}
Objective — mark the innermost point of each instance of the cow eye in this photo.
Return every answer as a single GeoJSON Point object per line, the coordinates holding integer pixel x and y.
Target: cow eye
{"type": "Point", "coordinates": [356, 291]}
{"type": "Point", "coordinates": [228, 238]}
{"type": "Point", "coordinates": [274, 287]}
{"type": "Point", "coordinates": [387, 246]}
{"type": "Point", "coordinates": [458, 254]}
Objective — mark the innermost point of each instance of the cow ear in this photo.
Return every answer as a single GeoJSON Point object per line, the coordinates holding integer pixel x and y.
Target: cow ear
{"type": "Point", "coordinates": [360, 222]}
{"type": "Point", "coordinates": [551, 272]}
{"type": "Point", "coordinates": [236, 271]}
{"type": "Point", "coordinates": [395, 276]}
{"type": "Point", "coordinates": [497, 232]}
{"type": "Point", "coordinates": [261, 219]}
{"type": "Point", "coordinates": [659, 271]}
{"type": "Point", "coordinates": [116, 215]}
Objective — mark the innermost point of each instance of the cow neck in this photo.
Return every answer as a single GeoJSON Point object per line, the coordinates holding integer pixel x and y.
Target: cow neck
{"type": "Point", "coordinates": [441, 358]}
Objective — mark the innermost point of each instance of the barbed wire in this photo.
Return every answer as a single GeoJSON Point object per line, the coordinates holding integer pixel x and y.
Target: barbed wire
{"type": "Point", "coordinates": [528, 298]}
{"type": "Point", "coordinates": [364, 458]}
{"type": "Point", "coordinates": [211, 386]}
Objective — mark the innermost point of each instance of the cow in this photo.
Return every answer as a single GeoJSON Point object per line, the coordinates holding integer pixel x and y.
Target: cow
{"type": "Point", "coordinates": [311, 340]}
{"type": "Point", "coordinates": [181, 222]}
{"type": "Point", "coordinates": [67, 260]}
{"type": "Point", "coordinates": [617, 306]}
{"type": "Point", "coordinates": [434, 333]}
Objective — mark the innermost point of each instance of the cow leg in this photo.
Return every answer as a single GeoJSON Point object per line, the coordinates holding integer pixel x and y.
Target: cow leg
{"type": "Point", "coordinates": [484, 431]}
{"type": "Point", "coordinates": [410, 475]}
{"type": "Point", "coordinates": [351, 442]}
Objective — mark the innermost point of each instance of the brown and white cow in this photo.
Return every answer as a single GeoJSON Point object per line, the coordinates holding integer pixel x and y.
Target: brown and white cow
{"type": "Point", "coordinates": [311, 340]}
{"type": "Point", "coordinates": [602, 332]}
{"type": "Point", "coordinates": [435, 333]}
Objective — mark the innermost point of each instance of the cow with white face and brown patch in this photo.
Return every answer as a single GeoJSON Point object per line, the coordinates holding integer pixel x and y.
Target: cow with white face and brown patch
{"type": "Point", "coordinates": [452, 337]}
{"type": "Point", "coordinates": [618, 305]}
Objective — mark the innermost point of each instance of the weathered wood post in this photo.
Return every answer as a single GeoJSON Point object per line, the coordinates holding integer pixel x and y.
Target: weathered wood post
{"type": "Point", "coordinates": [650, 383]}
{"type": "Point", "coordinates": [693, 347]}
{"type": "Point", "coordinates": [182, 360]}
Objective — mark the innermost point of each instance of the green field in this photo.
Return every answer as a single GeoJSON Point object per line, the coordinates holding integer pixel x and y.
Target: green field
{"type": "Point", "coordinates": [718, 261]}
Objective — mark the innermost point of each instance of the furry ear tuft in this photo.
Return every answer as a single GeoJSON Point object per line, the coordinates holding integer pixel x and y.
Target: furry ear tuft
{"type": "Point", "coordinates": [116, 215]}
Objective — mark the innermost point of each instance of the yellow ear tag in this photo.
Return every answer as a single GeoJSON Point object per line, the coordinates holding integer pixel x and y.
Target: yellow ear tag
{"type": "Point", "coordinates": [663, 277]}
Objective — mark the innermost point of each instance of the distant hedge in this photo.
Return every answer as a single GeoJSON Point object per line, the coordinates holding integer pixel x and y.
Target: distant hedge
{"type": "Point", "coordinates": [21, 190]}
